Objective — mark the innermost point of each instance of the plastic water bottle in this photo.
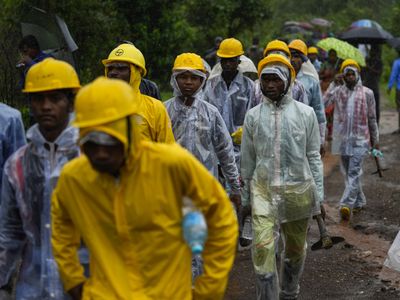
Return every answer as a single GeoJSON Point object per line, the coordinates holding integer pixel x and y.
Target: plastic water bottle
{"type": "Point", "coordinates": [194, 227]}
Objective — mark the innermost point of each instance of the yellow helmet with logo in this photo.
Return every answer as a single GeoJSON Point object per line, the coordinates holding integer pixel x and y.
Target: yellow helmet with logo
{"type": "Point", "coordinates": [189, 61]}
{"type": "Point", "coordinates": [276, 45]}
{"type": "Point", "coordinates": [127, 53]}
{"type": "Point", "coordinates": [103, 101]}
{"type": "Point", "coordinates": [349, 62]}
{"type": "Point", "coordinates": [230, 48]}
{"type": "Point", "coordinates": [51, 74]}
{"type": "Point", "coordinates": [312, 50]}
{"type": "Point", "coordinates": [276, 58]}
{"type": "Point", "coordinates": [298, 45]}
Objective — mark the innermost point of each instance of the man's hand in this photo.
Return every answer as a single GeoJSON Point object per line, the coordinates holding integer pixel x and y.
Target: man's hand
{"type": "Point", "coordinates": [235, 198]}
{"type": "Point", "coordinates": [322, 150]}
{"type": "Point", "coordinates": [25, 59]}
{"type": "Point", "coordinates": [338, 79]}
{"type": "Point", "coordinates": [76, 292]}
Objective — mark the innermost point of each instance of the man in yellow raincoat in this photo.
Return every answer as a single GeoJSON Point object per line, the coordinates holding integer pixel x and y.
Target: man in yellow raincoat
{"type": "Point", "coordinates": [124, 199]}
{"type": "Point", "coordinates": [127, 63]}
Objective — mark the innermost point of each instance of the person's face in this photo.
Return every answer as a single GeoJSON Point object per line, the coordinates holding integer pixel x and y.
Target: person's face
{"type": "Point", "coordinates": [188, 83]}
{"type": "Point", "coordinates": [119, 71]}
{"type": "Point", "coordinates": [230, 65]}
{"type": "Point", "coordinates": [296, 60]}
{"type": "Point", "coordinates": [312, 57]}
{"type": "Point", "coordinates": [51, 110]}
{"type": "Point", "coordinates": [332, 56]}
{"type": "Point", "coordinates": [272, 86]}
{"type": "Point", "coordinates": [350, 79]}
{"type": "Point", "coordinates": [105, 159]}
{"type": "Point", "coordinates": [32, 53]}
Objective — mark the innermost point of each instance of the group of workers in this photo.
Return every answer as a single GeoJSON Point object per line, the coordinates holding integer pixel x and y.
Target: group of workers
{"type": "Point", "coordinates": [92, 206]}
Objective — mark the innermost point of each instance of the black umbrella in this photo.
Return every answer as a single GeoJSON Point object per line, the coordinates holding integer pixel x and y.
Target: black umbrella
{"type": "Point", "coordinates": [395, 43]}
{"type": "Point", "coordinates": [365, 32]}
{"type": "Point", "coordinates": [365, 35]}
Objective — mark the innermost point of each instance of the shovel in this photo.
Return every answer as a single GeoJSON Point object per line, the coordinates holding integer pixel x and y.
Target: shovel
{"type": "Point", "coordinates": [326, 241]}
{"type": "Point", "coordinates": [379, 168]}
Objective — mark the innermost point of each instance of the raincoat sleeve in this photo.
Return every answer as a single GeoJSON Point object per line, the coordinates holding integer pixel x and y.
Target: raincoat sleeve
{"type": "Point", "coordinates": [219, 253]}
{"type": "Point", "coordinates": [330, 95]}
{"type": "Point", "coordinates": [12, 236]}
{"type": "Point", "coordinates": [372, 123]}
{"type": "Point", "coordinates": [248, 158]}
{"type": "Point", "coordinates": [313, 155]}
{"type": "Point", "coordinates": [65, 241]}
{"type": "Point", "coordinates": [317, 103]}
{"type": "Point", "coordinates": [224, 149]}
{"type": "Point", "coordinates": [165, 134]}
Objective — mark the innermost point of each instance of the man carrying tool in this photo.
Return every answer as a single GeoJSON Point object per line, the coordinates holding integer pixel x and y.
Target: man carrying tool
{"type": "Point", "coordinates": [298, 51]}
{"type": "Point", "coordinates": [355, 131]}
{"type": "Point", "coordinates": [124, 197]}
{"type": "Point", "coordinates": [127, 63]}
{"type": "Point", "coordinates": [30, 175]}
{"type": "Point", "coordinates": [283, 180]}
{"type": "Point", "coordinates": [230, 92]}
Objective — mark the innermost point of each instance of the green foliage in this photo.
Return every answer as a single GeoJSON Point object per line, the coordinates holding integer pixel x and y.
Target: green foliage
{"type": "Point", "coordinates": [163, 29]}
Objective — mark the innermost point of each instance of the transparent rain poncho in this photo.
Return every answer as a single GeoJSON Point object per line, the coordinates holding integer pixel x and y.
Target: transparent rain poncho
{"type": "Point", "coordinates": [232, 103]}
{"type": "Point", "coordinates": [201, 130]}
{"type": "Point", "coordinates": [30, 175]}
{"type": "Point", "coordinates": [12, 134]}
{"type": "Point", "coordinates": [354, 119]}
{"type": "Point", "coordinates": [283, 181]}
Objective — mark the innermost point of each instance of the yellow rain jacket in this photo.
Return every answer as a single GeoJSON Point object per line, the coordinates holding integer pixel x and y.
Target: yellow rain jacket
{"type": "Point", "coordinates": [132, 227]}
{"type": "Point", "coordinates": [154, 122]}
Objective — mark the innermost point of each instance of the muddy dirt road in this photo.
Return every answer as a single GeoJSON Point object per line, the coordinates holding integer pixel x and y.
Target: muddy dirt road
{"type": "Point", "coordinates": [352, 269]}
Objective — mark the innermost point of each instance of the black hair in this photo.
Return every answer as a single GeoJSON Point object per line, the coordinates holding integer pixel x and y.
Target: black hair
{"type": "Point", "coordinates": [30, 41]}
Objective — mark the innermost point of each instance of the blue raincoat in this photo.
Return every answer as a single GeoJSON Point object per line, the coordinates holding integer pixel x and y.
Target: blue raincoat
{"type": "Point", "coordinates": [30, 175]}
{"type": "Point", "coordinates": [12, 133]}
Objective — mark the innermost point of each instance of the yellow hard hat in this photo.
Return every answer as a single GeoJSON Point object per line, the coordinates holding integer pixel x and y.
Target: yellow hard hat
{"type": "Point", "coordinates": [230, 48]}
{"type": "Point", "coordinates": [298, 45]}
{"type": "Point", "coordinates": [128, 53]}
{"type": "Point", "coordinates": [103, 101]}
{"type": "Point", "coordinates": [349, 62]}
{"type": "Point", "coordinates": [189, 61]}
{"type": "Point", "coordinates": [312, 50]}
{"type": "Point", "coordinates": [277, 45]}
{"type": "Point", "coordinates": [276, 58]}
{"type": "Point", "coordinates": [51, 74]}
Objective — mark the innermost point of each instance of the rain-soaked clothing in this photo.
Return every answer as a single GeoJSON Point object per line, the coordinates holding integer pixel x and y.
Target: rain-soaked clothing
{"type": "Point", "coordinates": [232, 103]}
{"type": "Point", "coordinates": [297, 91]}
{"type": "Point", "coordinates": [201, 130]}
{"type": "Point", "coordinates": [12, 134]}
{"type": "Point", "coordinates": [149, 88]}
{"type": "Point", "coordinates": [30, 175]}
{"type": "Point", "coordinates": [134, 231]}
{"type": "Point", "coordinates": [315, 100]}
{"type": "Point", "coordinates": [282, 171]}
{"type": "Point", "coordinates": [354, 129]}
